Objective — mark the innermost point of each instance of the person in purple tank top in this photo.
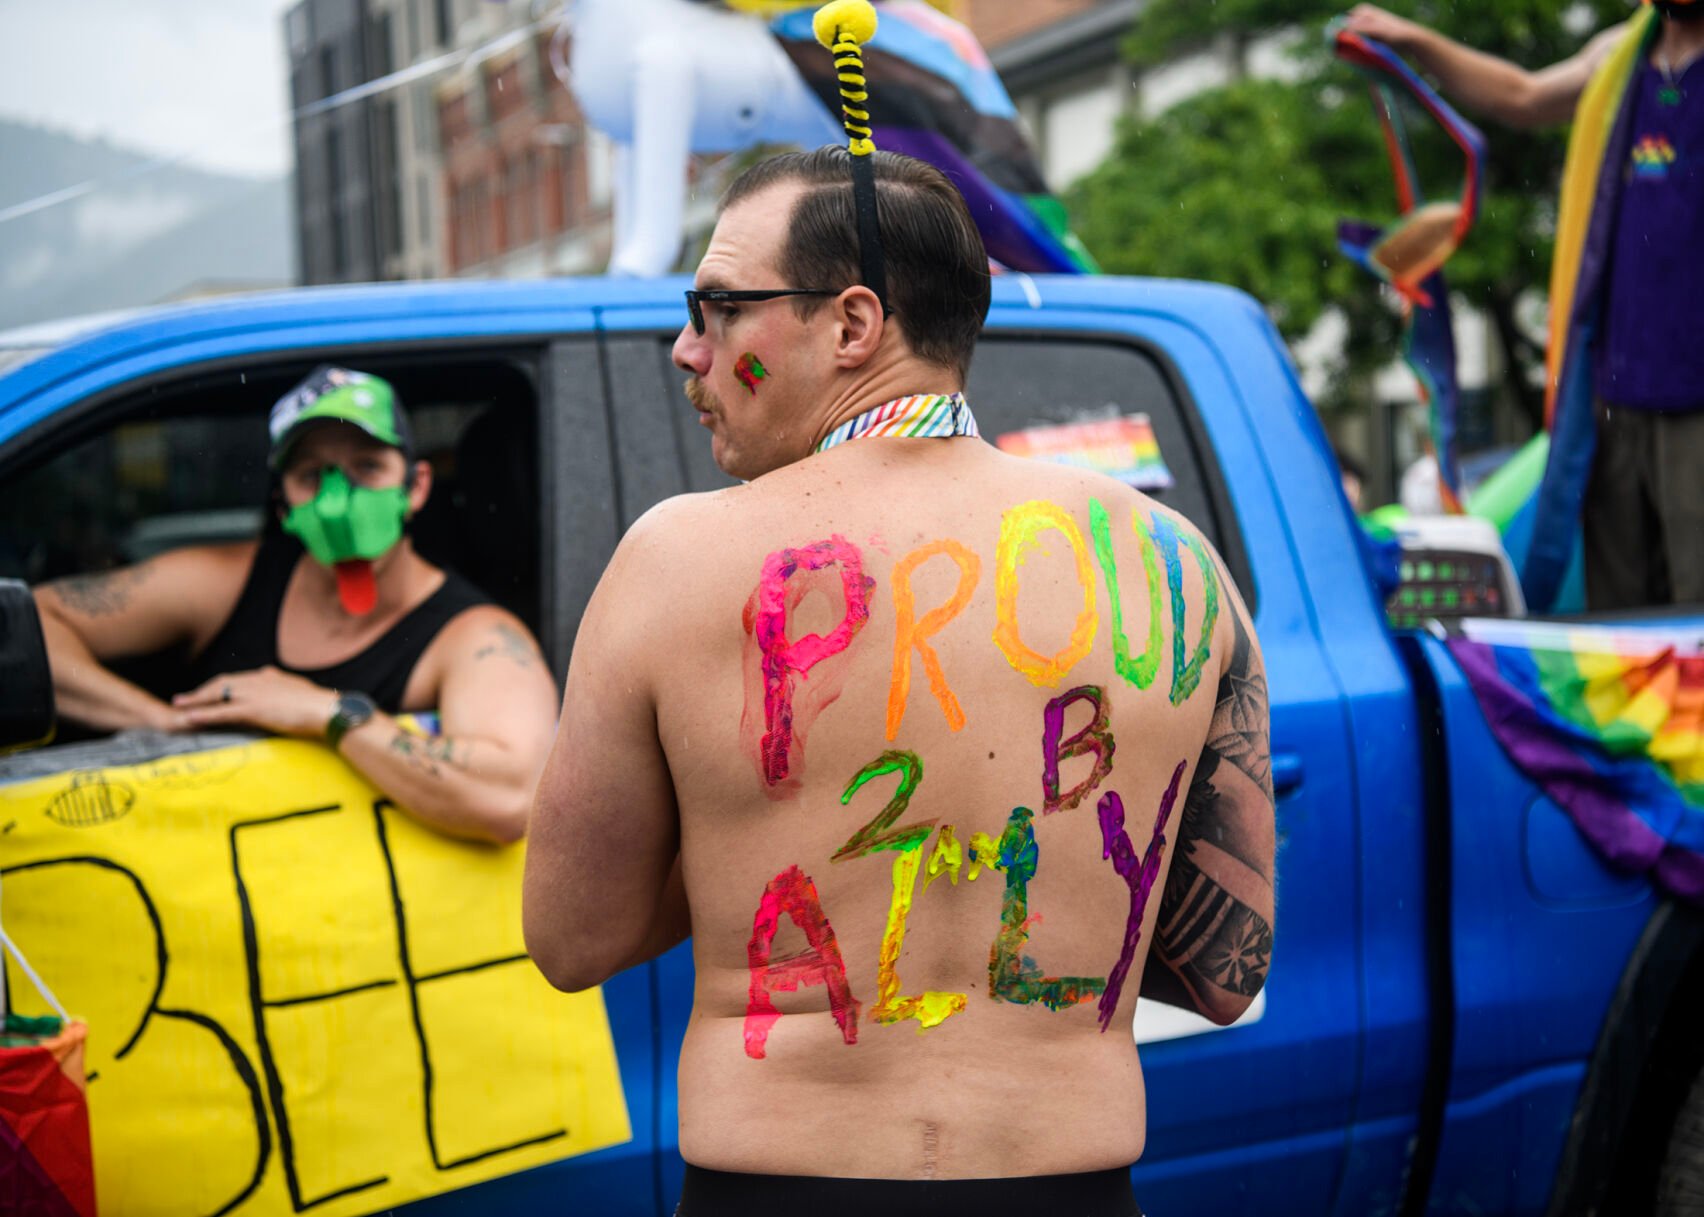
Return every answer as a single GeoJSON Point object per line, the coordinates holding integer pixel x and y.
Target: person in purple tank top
{"type": "Point", "coordinates": [1643, 510]}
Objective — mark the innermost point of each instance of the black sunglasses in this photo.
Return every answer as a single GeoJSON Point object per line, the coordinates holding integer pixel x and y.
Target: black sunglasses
{"type": "Point", "coordinates": [695, 300]}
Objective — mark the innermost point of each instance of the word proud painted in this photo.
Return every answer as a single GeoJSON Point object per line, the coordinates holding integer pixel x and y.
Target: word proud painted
{"type": "Point", "coordinates": [777, 717]}
{"type": "Point", "coordinates": [790, 681]}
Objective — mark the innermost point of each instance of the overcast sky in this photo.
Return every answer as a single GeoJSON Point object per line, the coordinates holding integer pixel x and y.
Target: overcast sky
{"type": "Point", "coordinates": [199, 79]}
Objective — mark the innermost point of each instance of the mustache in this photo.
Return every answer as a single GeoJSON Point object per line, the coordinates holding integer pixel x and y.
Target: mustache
{"type": "Point", "coordinates": [699, 394]}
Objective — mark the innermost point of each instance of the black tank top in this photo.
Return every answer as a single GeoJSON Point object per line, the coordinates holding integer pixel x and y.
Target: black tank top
{"type": "Point", "coordinates": [249, 637]}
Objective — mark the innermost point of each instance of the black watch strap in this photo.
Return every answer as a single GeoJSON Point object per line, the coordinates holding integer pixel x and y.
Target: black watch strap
{"type": "Point", "coordinates": [353, 709]}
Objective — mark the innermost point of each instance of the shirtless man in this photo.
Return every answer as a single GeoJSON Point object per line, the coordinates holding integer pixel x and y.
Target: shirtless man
{"type": "Point", "coordinates": [802, 724]}
{"type": "Point", "coordinates": [328, 644]}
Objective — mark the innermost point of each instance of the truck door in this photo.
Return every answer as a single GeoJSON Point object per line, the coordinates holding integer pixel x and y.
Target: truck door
{"type": "Point", "coordinates": [164, 445]}
{"type": "Point", "coordinates": [1230, 1110]}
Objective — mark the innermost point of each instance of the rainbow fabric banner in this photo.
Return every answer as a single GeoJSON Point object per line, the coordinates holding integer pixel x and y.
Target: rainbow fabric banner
{"type": "Point", "coordinates": [46, 1169]}
{"type": "Point", "coordinates": [1410, 254]}
{"type": "Point", "coordinates": [1591, 187]}
{"type": "Point", "coordinates": [935, 96]}
{"type": "Point", "coordinates": [1610, 725]}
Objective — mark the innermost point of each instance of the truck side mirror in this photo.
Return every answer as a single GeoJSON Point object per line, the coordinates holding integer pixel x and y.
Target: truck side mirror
{"type": "Point", "coordinates": [26, 682]}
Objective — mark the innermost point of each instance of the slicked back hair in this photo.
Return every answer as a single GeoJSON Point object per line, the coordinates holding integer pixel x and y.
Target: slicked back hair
{"type": "Point", "coordinates": [937, 267]}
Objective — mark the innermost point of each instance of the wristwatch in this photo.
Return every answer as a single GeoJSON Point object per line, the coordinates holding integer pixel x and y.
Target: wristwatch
{"type": "Point", "coordinates": [353, 709]}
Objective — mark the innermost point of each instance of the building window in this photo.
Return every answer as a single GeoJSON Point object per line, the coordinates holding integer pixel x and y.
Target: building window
{"type": "Point", "coordinates": [334, 188]}
{"type": "Point", "coordinates": [420, 103]}
{"type": "Point", "coordinates": [328, 70]}
{"type": "Point", "coordinates": [297, 29]}
{"type": "Point", "coordinates": [379, 58]}
{"type": "Point", "coordinates": [411, 28]}
{"type": "Point", "coordinates": [446, 26]}
{"type": "Point", "coordinates": [423, 185]}
{"type": "Point", "coordinates": [599, 155]}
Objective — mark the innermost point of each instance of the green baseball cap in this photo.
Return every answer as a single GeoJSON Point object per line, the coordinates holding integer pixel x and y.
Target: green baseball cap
{"type": "Point", "coordinates": [341, 395]}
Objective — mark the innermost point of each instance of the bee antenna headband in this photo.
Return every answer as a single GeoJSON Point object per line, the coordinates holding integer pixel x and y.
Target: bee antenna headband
{"type": "Point", "coordinates": [843, 26]}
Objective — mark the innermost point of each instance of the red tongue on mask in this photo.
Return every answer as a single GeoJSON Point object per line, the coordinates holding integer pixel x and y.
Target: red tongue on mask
{"type": "Point", "coordinates": [355, 586]}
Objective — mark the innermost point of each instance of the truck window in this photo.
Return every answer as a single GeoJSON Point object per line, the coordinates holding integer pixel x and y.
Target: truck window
{"type": "Point", "coordinates": [1018, 383]}
{"type": "Point", "coordinates": [183, 461]}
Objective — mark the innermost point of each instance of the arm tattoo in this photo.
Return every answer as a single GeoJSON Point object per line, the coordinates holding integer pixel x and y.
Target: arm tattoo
{"type": "Point", "coordinates": [1205, 931]}
{"type": "Point", "coordinates": [1238, 733]}
{"type": "Point", "coordinates": [98, 595]}
{"type": "Point", "coordinates": [1210, 935]}
{"type": "Point", "coordinates": [510, 643]}
{"type": "Point", "coordinates": [426, 752]}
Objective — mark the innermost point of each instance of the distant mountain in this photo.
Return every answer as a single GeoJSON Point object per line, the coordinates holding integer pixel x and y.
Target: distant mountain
{"type": "Point", "coordinates": [145, 234]}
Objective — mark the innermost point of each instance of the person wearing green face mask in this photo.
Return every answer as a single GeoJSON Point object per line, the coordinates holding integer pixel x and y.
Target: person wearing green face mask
{"type": "Point", "coordinates": [327, 627]}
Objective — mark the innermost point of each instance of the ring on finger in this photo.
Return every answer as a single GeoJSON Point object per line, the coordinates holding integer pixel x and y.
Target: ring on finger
{"type": "Point", "coordinates": [225, 693]}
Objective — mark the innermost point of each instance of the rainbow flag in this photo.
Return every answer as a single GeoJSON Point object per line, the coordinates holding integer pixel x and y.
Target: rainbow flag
{"type": "Point", "coordinates": [1409, 255]}
{"type": "Point", "coordinates": [1591, 185]}
{"type": "Point", "coordinates": [935, 96]}
{"type": "Point", "coordinates": [1610, 725]}
{"type": "Point", "coordinates": [46, 1167]}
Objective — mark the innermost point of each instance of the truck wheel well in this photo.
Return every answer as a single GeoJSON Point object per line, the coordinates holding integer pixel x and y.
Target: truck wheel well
{"type": "Point", "coordinates": [1646, 1058]}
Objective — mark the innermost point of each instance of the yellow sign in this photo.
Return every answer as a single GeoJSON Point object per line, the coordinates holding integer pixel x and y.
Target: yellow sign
{"type": "Point", "coordinates": [297, 995]}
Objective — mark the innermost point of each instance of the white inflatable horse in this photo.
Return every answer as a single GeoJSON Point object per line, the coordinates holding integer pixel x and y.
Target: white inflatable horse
{"type": "Point", "coordinates": [667, 78]}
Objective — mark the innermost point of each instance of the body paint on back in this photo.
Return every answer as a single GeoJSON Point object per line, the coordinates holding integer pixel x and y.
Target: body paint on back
{"type": "Point", "coordinates": [1186, 675]}
{"type": "Point", "coordinates": [1020, 529]}
{"type": "Point", "coordinates": [1138, 876]}
{"type": "Point", "coordinates": [1096, 737]}
{"type": "Point", "coordinates": [1139, 671]}
{"type": "Point", "coordinates": [781, 662]}
{"type": "Point", "coordinates": [1012, 975]}
{"type": "Point", "coordinates": [793, 893]}
{"type": "Point", "coordinates": [910, 632]}
{"type": "Point", "coordinates": [749, 369]}
{"type": "Point", "coordinates": [928, 1008]}
{"type": "Point", "coordinates": [947, 857]}
{"type": "Point", "coordinates": [876, 835]}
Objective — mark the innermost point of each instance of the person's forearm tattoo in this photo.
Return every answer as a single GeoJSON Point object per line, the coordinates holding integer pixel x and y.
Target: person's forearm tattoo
{"type": "Point", "coordinates": [99, 594]}
{"type": "Point", "coordinates": [1207, 929]}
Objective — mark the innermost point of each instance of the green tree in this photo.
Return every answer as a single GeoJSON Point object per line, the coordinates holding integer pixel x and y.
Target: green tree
{"type": "Point", "coordinates": [1244, 184]}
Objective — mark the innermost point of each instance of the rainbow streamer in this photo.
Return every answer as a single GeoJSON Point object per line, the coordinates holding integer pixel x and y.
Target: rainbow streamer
{"type": "Point", "coordinates": [937, 98]}
{"type": "Point", "coordinates": [1611, 727]}
{"type": "Point", "coordinates": [1409, 256]}
{"type": "Point", "coordinates": [1591, 187]}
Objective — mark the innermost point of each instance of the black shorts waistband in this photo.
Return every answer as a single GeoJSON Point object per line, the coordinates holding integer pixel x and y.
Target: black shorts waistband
{"type": "Point", "coordinates": [712, 1193]}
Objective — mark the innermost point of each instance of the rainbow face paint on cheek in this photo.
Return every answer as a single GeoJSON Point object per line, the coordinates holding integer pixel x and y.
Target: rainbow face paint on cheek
{"type": "Point", "coordinates": [1096, 737]}
{"type": "Point", "coordinates": [749, 369]}
{"type": "Point", "coordinates": [792, 892]}
{"type": "Point", "coordinates": [1020, 529]}
{"type": "Point", "coordinates": [1138, 876]}
{"type": "Point", "coordinates": [910, 632]}
{"type": "Point", "coordinates": [1139, 671]}
{"type": "Point", "coordinates": [1186, 675]}
{"type": "Point", "coordinates": [1012, 975]}
{"type": "Point", "coordinates": [781, 662]}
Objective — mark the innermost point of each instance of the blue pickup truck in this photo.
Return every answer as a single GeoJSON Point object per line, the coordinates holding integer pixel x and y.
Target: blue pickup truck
{"type": "Point", "coordinates": [1467, 1012]}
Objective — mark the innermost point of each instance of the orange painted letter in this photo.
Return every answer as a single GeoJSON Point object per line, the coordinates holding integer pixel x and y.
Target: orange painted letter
{"type": "Point", "coordinates": [910, 632]}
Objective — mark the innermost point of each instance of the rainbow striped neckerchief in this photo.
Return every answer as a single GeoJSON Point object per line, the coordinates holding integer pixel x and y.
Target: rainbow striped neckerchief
{"type": "Point", "coordinates": [920, 416]}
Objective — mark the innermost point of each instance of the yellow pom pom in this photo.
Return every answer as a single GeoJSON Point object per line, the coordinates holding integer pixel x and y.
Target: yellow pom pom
{"type": "Point", "coordinates": [856, 17]}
